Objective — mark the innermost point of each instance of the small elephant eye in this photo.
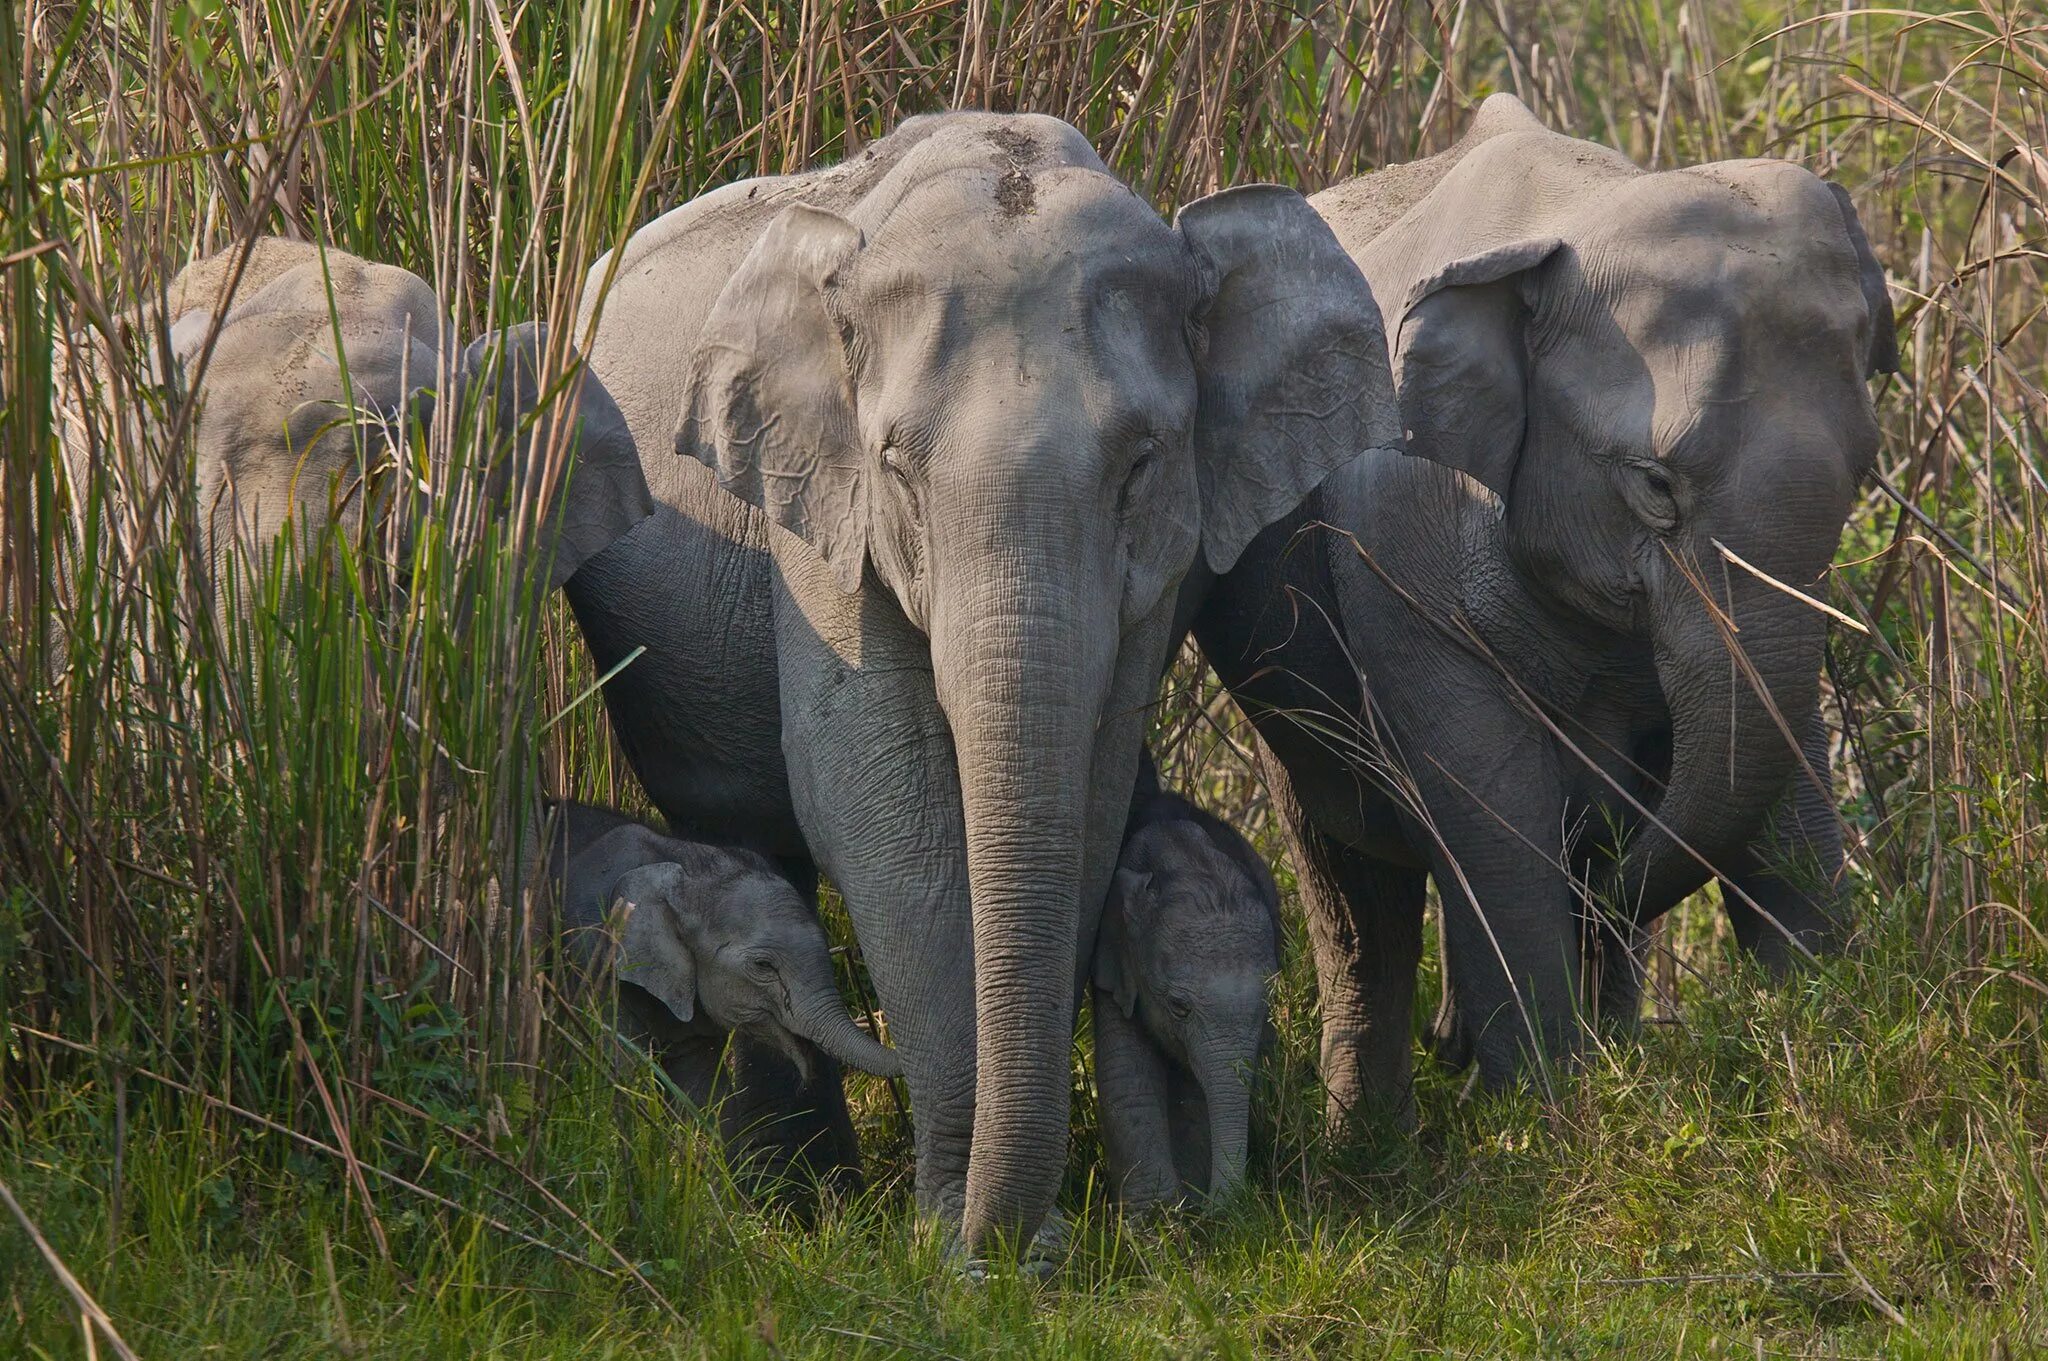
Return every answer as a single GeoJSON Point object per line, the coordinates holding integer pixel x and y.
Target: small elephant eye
{"type": "Point", "coordinates": [1178, 1004]}
{"type": "Point", "coordinates": [761, 966]}
{"type": "Point", "coordinates": [1652, 494]}
{"type": "Point", "coordinates": [1145, 456]}
{"type": "Point", "coordinates": [894, 461]}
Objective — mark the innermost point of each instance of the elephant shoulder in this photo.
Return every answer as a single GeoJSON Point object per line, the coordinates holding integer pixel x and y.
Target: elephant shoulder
{"type": "Point", "coordinates": [712, 229]}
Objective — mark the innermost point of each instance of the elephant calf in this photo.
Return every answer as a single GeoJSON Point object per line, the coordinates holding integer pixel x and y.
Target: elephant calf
{"type": "Point", "coordinates": [703, 943]}
{"type": "Point", "coordinates": [707, 940]}
{"type": "Point", "coordinates": [1190, 935]}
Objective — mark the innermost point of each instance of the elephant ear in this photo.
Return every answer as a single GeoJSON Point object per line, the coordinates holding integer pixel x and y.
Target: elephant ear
{"type": "Point", "coordinates": [652, 951]}
{"type": "Point", "coordinates": [1884, 335]}
{"type": "Point", "coordinates": [768, 401]}
{"type": "Point", "coordinates": [570, 446]}
{"type": "Point", "coordinates": [1112, 964]}
{"type": "Point", "coordinates": [1293, 362]}
{"type": "Point", "coordinates": [1461, 360]}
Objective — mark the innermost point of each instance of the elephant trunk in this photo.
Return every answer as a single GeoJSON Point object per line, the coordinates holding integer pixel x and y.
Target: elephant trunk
{"type": "Point", "coordinates": [1226, 1088]}
{"type": "Point", "coordinates": [823, 1020]}
{"type": "Point", "coordinates": [1730, 755]}
{"type": "Point", "coordinates": [1020, 672]}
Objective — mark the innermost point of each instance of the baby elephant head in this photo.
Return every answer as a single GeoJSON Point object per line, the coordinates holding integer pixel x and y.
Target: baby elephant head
{"type": "Point", "coordinates": [1189, 940]}
{"type": "Point", "coordinates": [721, 931]}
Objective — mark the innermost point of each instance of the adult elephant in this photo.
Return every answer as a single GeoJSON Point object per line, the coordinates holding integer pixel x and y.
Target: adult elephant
{"type": "Point", "coordinates": [310, 367]}
{"type": "Point", "coordinates": [1638, 395]}
{"type": "Point", "coordinates": [937, 433]}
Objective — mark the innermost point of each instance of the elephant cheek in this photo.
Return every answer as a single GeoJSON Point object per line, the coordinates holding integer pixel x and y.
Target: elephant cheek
{"type": "Point", "coordinates": [1160, 534]}
{"type": "Point", "coordinates": [897, 553]}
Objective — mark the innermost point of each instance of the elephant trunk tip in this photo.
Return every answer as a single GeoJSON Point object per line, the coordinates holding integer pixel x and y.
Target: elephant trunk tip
{"type": "Point", "coordinates": [831, 1029]}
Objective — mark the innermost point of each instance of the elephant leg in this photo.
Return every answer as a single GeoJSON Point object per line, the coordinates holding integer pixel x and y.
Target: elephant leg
{"type": "Point", "coordinates": [1794, 870]}
{"type": "Point", "coordinates": [876, 791]}
{"type": "Point", "coordinates": [1365, 924]}
{"type": "Point", "coordinates": [1616, 967]}
{"type": "Point", "coordinates": [784, 1135]}
{"type": "Point", "coordinates": [1131, 1104]}
{"type": "Point", "coordinates": [1492, 812]}
{"type": "Point", "coordinates": [1127, 711]}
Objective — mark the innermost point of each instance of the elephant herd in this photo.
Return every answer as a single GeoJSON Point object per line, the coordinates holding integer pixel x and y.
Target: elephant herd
{"type": "Point", "coordinates": [1492, 486]}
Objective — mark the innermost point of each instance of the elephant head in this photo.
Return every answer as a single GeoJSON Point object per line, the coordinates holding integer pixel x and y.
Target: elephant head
{"type": "Point", "coordinates": [1189, 940]}
{"type": "Point", "coordinates": [717, 929]}
{"type": "Point", "coordinates": [1001, 392]}
{"type": "Point", "coordinates": [1664, 384]}
{"type": "Point", "coordinates": [312, 369]}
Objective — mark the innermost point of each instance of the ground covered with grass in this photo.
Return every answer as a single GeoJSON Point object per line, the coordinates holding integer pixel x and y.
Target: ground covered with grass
{"type": "Point", "coordinates": [1848, 1167]}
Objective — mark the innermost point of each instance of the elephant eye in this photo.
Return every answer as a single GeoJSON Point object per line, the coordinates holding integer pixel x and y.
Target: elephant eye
{"type": "Point", "coordinates": [1178, 1004]}
{"type": "Point", "coordinates": [761, 966]}
{"type": "Point", "coordinates": [1652, 495]}
{"type": "Point", "coordinates": [1145, 456]}
{"type": "Point", "coordinates": [892, 459]}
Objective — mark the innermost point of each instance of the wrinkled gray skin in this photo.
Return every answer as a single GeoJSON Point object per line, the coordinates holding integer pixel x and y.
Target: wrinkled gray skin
{"type": "Point", "coordinates": [1190, 936]}
{"type": "Point", "coordinates": [1616, 369]}
{"type": "Point", "coordinates": [702, 942]}
{"type": "Point", "coordinates": [284, 441]}
{"type": "Point", "coordinates": [974, 409]}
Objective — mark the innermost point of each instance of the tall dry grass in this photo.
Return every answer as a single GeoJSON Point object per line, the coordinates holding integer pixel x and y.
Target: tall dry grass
{"type": "Point", "coordinates": [252, 861]}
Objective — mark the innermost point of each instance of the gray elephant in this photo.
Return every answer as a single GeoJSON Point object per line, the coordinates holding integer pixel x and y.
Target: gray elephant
{"type": "Point", "coordinates": [1190, 936]}
{"type": "Point", "coordinates": [950, 423]}
{"type": "Point", "coordinates": [1642, 409]}
{"type": "Point", "coordinates": [704, 943]}
{"type": "Point", "coordinates": [311, 369]}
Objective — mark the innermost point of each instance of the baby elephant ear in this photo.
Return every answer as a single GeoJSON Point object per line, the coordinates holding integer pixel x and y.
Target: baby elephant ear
{"type": "Point", "coordinates": [1293, 371]}
{"type": "Point", "coordinates": [768, 400]}
{"type": "Point", "coordinates": [568, 446]}
{"type": "Point", "coordinates": [1112, 965]}
{"type": "Point", "coordinates": [652, 952]}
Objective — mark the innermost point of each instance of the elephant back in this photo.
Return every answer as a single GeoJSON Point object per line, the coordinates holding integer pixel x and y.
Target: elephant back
{"type": "Point", "coordinates": [1361, 208]}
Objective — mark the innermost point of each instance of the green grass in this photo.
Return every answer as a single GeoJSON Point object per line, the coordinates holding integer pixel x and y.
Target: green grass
{"type": "Point", "coordinates": [252, 859]}
{"type": "Point", "coordinates": [1852, 1167]}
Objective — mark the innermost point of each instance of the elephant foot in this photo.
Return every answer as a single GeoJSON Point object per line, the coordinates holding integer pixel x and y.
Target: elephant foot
{"type": "Point", "coordinates": [1039, 1261]}
{"type": "Point", "coordinates": [1449, 1043]}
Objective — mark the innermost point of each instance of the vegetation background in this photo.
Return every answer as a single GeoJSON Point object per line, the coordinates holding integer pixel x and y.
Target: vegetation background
{"type": "Point", "coordinates": [276, 1077]}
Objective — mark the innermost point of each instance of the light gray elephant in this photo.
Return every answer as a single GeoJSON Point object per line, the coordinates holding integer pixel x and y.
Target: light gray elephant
{"type": "Point", "coordinates": [951, 421]}
{"type": "Point", "coordinates": [1641, 405]}
{"type": "Point", "coordinates": [704, 943]}
{"type": "Point", "coordinates": [312, 368]}
{"type": "Point", "coordinates": [1190, 937]}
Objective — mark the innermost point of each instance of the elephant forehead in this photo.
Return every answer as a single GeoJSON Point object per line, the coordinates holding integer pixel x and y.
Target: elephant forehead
{"type": "Point", "coordinates": [1009, 235]}
{"type": "Point", "coordinates": [928, 147]}
{"type": "Point", "coordinates": [1752, 253]}
{"type": "Point", "coordinates": [1662, 349]}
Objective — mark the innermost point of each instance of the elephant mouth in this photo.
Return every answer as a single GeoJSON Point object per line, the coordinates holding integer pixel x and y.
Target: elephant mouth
{"type": "Point", "coordinates": [774, 1035]}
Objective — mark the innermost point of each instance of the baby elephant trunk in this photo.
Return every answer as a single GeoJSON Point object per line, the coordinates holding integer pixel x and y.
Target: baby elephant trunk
{"type": "Point", "coordinates": [1230, 1107]}
{"type": "Point", "coordinates": [1225, 1064]}
{"type": "Point", "coordinates": [822, 1018]}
